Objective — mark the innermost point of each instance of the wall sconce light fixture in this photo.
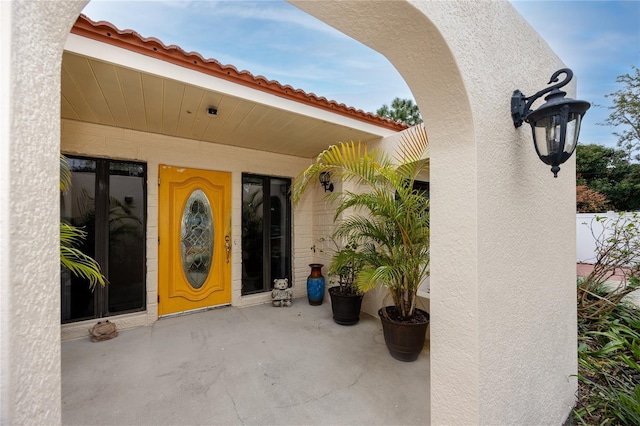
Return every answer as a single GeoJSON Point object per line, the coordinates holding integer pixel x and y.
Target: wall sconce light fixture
{"type": "Point", "coordinates": [555, 124]}
{"type": "Point", "coordinates": [325, 180]}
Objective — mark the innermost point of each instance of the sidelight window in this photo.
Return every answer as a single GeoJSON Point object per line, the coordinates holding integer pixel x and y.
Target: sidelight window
{"type": "Point", "coordinates": [266, 232]}
{"type": "Point", "coordinates": [107, 199]}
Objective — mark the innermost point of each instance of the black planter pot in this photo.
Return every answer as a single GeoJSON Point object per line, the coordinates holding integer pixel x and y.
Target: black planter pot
{"type": "Point", "coordinates": [346, 308]}
{"type": "Point", "coordinates": [404, 340]}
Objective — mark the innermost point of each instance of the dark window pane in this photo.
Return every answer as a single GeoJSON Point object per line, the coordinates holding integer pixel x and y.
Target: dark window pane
{"type": "Point", "coordinates": [252, 234]}
{"type": "Point", "coordinates": [279, 229]}
{"type": "Point", "coordinates": [266, 232]}
{"type": "Point", "coordinates": [114, 219]}
{"type": "Point", "coordinates": [421, 188]}
{"type": "Point", "coordinates": [77, 207]}
{"type": "Point", "coordinates": [126, 237]}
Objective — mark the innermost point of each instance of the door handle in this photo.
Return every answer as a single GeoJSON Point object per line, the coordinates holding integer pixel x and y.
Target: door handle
{"type": "Point", "coordinates": [227, 246]}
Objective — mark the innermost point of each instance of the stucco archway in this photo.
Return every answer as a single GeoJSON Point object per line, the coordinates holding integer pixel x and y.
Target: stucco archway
{"type": "Point", "coordinates": [496, 212]}
{"type": "Point", "coordinates": [462, 60]}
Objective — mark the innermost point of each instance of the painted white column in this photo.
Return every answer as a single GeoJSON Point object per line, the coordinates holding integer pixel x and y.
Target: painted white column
{"type": "Point", "coordinates": [503, 322]}
{"type": "Point", "coordinates": [5, 274]}
{"type": "Point", "coordinates": [33, 36]}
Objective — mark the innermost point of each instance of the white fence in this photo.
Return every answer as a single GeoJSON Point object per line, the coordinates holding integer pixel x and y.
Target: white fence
{"type": "Point", "coordinates": [585, 242]}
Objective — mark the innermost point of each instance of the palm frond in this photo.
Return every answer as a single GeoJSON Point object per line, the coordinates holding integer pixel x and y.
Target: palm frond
{"type": "Point", "coordinates": [388, 219]}
{"type": "Point", "coordinates": [71, 257]}
{"type": "Point", "coordinates": [65, 174]}
{"type": "Point", "coordinates": [412, 153]}
{"type": "Point", "coordinates": [75, 260]}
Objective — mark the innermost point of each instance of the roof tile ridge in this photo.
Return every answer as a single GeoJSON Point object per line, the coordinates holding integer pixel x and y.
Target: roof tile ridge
{"type": "Point", "coordinates": [132, 40]}
{"type": "Point", "coordinates": [124, 33]}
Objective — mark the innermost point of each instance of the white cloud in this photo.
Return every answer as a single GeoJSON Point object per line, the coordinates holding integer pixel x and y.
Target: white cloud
{"type": "Point", "coordinates": [267, 11]}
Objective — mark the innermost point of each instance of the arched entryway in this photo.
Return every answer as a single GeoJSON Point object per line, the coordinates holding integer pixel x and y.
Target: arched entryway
{"type": "Point", "coordinates": [503, 327]}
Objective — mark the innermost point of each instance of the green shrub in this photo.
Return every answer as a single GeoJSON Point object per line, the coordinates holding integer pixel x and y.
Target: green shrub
{"type": "Point", "coordinates": [609, 368]}
{"type": "Point", "coordinates": [616, 271]}
{"type": "Point", "coordinates": [609, 327]}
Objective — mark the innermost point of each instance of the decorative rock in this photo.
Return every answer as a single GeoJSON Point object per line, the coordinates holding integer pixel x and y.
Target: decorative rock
{"type": "Point", "coordinates": [103, 331]}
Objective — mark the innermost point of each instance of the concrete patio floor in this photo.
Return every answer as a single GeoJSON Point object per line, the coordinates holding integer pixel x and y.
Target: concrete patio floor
{"type": "Point", "coordinates": [258, 365]}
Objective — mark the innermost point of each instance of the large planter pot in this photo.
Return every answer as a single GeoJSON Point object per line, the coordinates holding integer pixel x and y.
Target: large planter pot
{"type": "Point", "coordinates": [315, 284]}
{"type": "Point", "coordinates": [404, 340]}
{"type": "Point", "coordinates": [345, 307]}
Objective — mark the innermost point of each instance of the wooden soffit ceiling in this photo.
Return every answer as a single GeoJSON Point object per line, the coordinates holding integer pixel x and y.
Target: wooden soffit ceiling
{"type": "Point", "coordinates": [100, 91]}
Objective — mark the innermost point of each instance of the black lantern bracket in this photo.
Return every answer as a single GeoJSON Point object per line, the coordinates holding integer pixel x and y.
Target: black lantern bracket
{"type": "Point", "coordinates": [555, 124]}
{"type": "Point", "coordinates": [521, 104]}
{"type": "Point", "coordinates": [325, 180]}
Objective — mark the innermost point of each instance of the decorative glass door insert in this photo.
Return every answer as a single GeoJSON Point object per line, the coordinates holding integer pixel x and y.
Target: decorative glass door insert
{"type": "Point", "coordinates": [196, 236]}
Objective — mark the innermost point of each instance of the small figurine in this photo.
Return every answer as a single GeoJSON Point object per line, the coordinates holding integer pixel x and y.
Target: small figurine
{"type": "Point", "coordinates": [281, 293]}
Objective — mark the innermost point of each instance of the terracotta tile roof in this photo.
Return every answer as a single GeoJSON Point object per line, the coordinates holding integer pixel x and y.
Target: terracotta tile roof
{"type": "Point", "coordinates": [106, 32]}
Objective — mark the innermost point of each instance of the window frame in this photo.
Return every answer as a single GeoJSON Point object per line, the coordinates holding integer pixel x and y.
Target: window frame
{"type": "Point", "coordinates": [267, 283]}
{"type": "Point", "coordinates": [101, 235]}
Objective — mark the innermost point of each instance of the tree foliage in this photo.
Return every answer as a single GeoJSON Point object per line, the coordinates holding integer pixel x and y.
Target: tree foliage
{"type": "Point", "coordinates": [609, 172]}
{"type": "Point", "coordinates": [625, 113]}
{"type": "Point", "coordinates": [589, 201]}
{"type": "Point", "coordinates": [402, 110]}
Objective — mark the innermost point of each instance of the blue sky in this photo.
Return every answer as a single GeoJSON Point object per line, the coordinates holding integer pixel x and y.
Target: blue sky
{"type": "Point", "coordinates": [598, 40]}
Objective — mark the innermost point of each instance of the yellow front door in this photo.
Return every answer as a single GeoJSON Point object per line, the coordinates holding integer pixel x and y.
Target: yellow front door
{"type": "Point", "coordinates": [194, 251]}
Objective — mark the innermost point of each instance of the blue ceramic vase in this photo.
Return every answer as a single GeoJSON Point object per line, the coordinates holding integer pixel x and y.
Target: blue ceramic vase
{"type": "Point", "coordinates": [315, 285]}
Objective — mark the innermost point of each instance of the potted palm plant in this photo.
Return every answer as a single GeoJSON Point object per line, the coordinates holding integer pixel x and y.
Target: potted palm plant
{"type": "Point", "coordinates": [346, 298]}
{"type": "Point", "coordinates": [391, 225]}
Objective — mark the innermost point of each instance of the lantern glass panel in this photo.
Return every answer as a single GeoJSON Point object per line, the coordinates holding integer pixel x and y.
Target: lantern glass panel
{"type": "Point", "coordinates": [548, 134]}
{"type": "Point", "coordinates": [573, 129]}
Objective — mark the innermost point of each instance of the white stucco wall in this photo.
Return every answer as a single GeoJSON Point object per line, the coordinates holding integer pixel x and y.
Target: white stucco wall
{"type": "Point", "coordinates": [503, 327]}
{"type": "Point", "coordinates": [503, 314]}
{"type": "Point", "coordinates": [5, 188]}
{"type": "Point", "coordinates": [30, 301]}
{"type": "Point", "coordinates": [102, 141]}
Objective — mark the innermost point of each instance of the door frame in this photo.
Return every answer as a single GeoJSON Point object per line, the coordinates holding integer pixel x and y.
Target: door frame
{"type": "Point", "coordinates": [169, 225]}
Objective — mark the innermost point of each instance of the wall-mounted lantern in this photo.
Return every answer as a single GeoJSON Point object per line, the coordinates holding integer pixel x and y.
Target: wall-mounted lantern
{"type": "Point", "coordinates": [325, 180]}
{"type": "Point", "coordinates": [555, 124]}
